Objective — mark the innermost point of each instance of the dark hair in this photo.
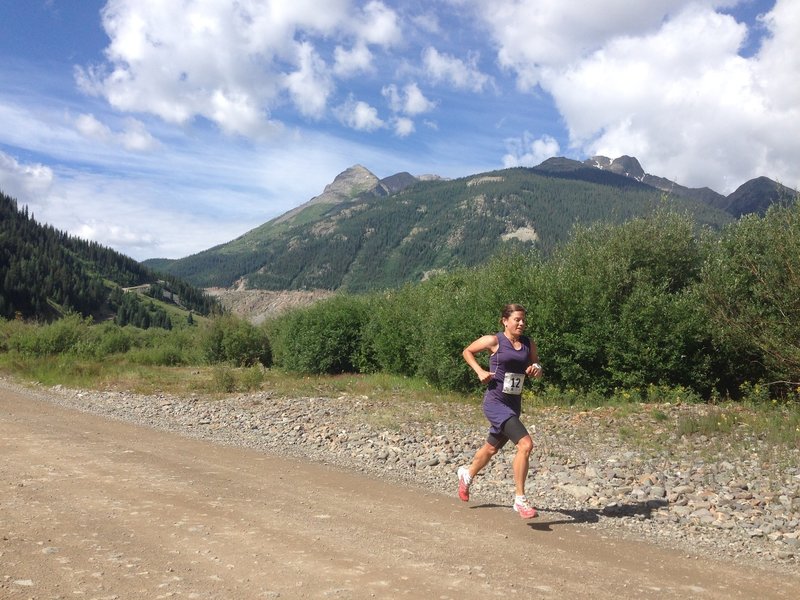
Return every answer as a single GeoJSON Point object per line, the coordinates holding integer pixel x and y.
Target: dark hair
{"type": "Point", "coordinates": [511, 308]}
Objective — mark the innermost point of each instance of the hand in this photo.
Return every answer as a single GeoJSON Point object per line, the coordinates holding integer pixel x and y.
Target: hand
{"type": "Point", "coordinates": [534, 370]}
{"type": "Point", "coordinates": [485, 376]}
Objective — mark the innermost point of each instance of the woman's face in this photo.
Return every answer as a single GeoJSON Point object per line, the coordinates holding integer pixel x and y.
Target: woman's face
{"type": "Point", "coordinates": [515, 323]}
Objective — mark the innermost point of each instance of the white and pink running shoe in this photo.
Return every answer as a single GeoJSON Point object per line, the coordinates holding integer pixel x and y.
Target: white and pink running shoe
{"type": "Point", "coordinates": [524, 508]}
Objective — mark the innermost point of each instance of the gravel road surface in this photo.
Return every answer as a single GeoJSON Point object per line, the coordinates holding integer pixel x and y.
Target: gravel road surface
{"type": "Point", "coordinates": [92, 507]}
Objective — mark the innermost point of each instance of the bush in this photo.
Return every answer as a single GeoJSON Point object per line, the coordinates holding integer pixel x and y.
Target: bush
{"type": "Point", "coordinates": [615, 307]}
{"type": "Point", "coordinates": [67, 335]}
{"type": "Point", "coordinates": [223, 380]}
{"type": "Point", "coordinates": [751, 287]}
{"type": "Point", "coordinates": [391, 334]}
{"type": "Point", "coordinates": [323, 338]}
{"type": "Point", "coordinates": [235, 341]}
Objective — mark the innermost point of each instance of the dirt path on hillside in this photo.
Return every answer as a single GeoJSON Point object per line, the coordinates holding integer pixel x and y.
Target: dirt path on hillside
{"type": "Point", "coordinates": [94, 508]}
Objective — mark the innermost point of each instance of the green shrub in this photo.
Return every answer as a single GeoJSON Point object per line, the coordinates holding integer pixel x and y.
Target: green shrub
{"type": "Point", "coordinates": [252, 378]}
{"type": "Point", "coordinates": [751, 287]}
{"type": "Point", "coordinates": [323, 338]}
{"type": "Point", "coordinates": [113, 339]}
{"type": "Point", "coordinates": [615, 307]}
{"type": "Point", "coordinates": [391, 334]}
{"type": "Point", "coordinates": [448, 312]}
{"type": "Point", "coordinates": [65, 335]}
{"type": "Point", "coordinates": [233, 340]}
{"type": "Point", "coordinates": [223, 379]}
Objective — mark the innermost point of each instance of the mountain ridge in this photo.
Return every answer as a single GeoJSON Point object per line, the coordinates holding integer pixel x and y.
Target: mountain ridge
{"type": "Point", "coordinates": [363, 232]}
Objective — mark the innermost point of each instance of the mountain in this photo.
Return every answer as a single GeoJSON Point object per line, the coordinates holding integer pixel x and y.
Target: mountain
{"type": "Point", "coordinates": [45, 273]}
{"type": "Point", "coordinates": [363, 233]}
{"type": "Point", "coordinates": [753, 196]}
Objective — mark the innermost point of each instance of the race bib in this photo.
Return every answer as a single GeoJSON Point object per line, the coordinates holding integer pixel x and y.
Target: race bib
{"type": "Point", "coordinates": [512, 383]}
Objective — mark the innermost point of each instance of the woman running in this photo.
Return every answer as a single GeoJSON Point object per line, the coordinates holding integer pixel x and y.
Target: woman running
{"type": "Point", "coordinates": [513, 357]}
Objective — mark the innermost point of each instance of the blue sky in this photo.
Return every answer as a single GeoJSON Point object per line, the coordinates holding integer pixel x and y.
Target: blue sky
{"type": "Point", "coordinates": [162, 128]}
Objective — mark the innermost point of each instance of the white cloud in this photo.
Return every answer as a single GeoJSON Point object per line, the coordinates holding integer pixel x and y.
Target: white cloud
{"type": "Point", "coordinates": [310, 85]}
{"type": "Point", "coordinates": [416, 103]}
{"type": "Point", "coordinates": [428, 22]}
{"type": "Point", "coordinates": [536, 35]}
{"type": "Point", "coordinates": [443, 68]}
{"type": "Point", "coordinates": [88, 126]}
{"type": "Point", "coordinates": [27, 183]}
{"type": "Point", "coordinates": [779, 58]}
{"type": "Point", "coordinates": [528, 151]}
{"type": "Point", "coordinates": [136, 137]}
{"type": "Point", "coordinates": [379, 25]}
{"type": "Point", "coordinates": [403, 126]}
{"type": "Point", "coordinates": [359, 115]}
{"type": "Point", "coordinates": [665, 83]}
{"type": "Point", "coordinates": [230, 62]}
{"type": "Point", "coordinates": [392, 95]}
{"type": "Point", "coordinates": [236, 112]}
{"type": "Point", "coordinates": [411, 101]}
{"type": "Point", "coordinates": [351, 62]}
{"type": "Point", "coordinates": [113, 234]}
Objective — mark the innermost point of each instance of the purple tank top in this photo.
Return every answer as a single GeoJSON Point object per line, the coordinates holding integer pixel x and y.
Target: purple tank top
{"type": "Point", "coordinates": [498, 406]}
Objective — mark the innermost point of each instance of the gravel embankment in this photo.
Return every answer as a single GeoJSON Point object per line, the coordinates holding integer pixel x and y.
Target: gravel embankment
{"type": "Point", "coordinates": [697, 494]}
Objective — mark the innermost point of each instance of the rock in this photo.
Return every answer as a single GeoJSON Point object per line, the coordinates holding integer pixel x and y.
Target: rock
{"type": "Point", "coordinates": [581, 492]}
{"type": "Point", "coordinates": [658, 492]}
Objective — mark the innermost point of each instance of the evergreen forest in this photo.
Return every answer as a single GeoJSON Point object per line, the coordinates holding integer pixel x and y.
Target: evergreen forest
{"type": "Point", "coordinates": [46, 273]}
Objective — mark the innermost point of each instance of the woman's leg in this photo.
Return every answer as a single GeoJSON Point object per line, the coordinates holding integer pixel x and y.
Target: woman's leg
{"type": "Point", "coordinates": [481, 458]}
{"type": "Point", "coordinates": [521, 464]}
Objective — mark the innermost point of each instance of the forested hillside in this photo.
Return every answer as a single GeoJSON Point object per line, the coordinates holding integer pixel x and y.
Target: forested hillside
{"type": "Point", "coordinates": [45, 273]}
{"type": "Point", "coordinates": [372, 242]}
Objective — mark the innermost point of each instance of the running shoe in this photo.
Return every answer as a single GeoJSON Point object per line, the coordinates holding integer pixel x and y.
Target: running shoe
{"type": "Point", "coordinates": [463, 483]}
{"type": "Point", "coordinates": [524, 508]}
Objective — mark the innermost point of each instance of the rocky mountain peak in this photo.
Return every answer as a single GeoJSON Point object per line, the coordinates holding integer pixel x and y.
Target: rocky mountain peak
{"type": "Point", "coordinates": [348, 184]}
{"type": "Point", "coordinates": [623, 165]}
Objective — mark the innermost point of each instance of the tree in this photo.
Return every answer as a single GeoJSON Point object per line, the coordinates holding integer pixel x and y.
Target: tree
{"type": "Point", "coordinates": [751, 286]}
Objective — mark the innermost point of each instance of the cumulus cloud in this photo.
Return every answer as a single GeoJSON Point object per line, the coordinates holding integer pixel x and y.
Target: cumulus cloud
{"type": "Point", "coordinates": [230, 62]}
{"type": "Point", "coordinates": [311, 84]}
{"type": "Point", "coordinates": [27, 183]}
{"type": "Point", "coordinates": [428, 23]}
{"type": "Point", "coordinates": [779, 58]}
{"type": "Point", "coordinates": [113, 234]}
{"type": "Point", "coordinates": [444, 68]}
{"type": "Point", "coordinates": [136, 137]}
{"type": "Point", "coordinates": [351, 62]}
{"type": "Point", "coordinates": [233, 63]}
{"type": "Point", "coordinates": [528, 151]}
{"type": "Point", "coordinates": [359, 115]}
{"type": "Point", "coordinates": [89, 127]}
{"type": "Point", "coordinates": [403, 126]}
{"type": "Point", "coordinates": [416, 103]}
{"type": "Point", "coordinates": [666, 83]}
{"type": "Point", "coordinates": [410, 100]}
{"type": "Point", "coordinates": [536, 35]}
{"type": "Point", "coordinates": [379, 25]}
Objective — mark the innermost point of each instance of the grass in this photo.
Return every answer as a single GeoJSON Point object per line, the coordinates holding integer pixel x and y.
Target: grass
{"type": "Point", "coordinates": [118, 373]}
{"type": "Point", "coordinates": [774, 423]}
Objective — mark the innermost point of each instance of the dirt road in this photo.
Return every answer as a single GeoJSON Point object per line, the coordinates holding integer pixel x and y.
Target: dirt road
{"type": "Point", "coordinates": [94, 508]}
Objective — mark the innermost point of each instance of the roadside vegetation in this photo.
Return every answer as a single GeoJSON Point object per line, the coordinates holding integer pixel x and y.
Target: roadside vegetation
{"type": "Point", "coordinates": [652, 311]}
